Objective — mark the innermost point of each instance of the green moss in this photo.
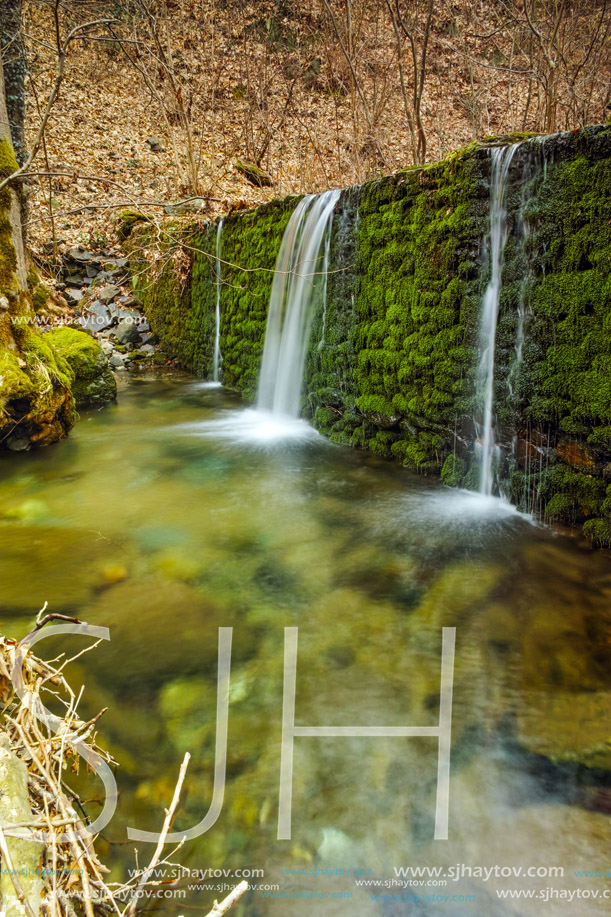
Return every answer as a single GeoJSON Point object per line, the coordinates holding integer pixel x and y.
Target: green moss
{"type": "Point", "coordinates": [14, 381]}
{"type": "Point", "coordinates": [83, 360]}
{"type": "Point", "coordinates": [454, 470]}
{"type": "Point", "coordinates": [570, 496]}
{"type": "Point", "coordinates": [416, 277]}
{"type": "Point", "coordinates": [8, 163]}
{"type": "Point", "coordinates": [35, 401]}
{"type": "Point", "coordinates": [254, 174]}
{"type": "Point", "coordinates": [127, 219]}
{"type": "Point", "coordinates": [35, 398]}
{"type": "Point", "coordinates": [8, 260]}
{"type": "Point", "coordinates": [39, 292]}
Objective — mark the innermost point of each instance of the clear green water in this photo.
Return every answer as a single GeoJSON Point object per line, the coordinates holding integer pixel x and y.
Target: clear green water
{"type": "Point", "coordinates": [162, 535]}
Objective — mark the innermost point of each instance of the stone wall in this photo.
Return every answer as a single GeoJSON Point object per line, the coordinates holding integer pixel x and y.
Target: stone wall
{"type": "Point", "coordinates": [393, 370]}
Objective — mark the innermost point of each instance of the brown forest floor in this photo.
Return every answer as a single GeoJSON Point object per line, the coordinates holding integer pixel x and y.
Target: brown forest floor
{"type": "Point", "coordinates": [255, 73]}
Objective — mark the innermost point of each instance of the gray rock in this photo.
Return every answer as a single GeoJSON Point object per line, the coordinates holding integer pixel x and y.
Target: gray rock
{"type": "Point", "coordinates": [50, 245]}
{"type": "Point", "coordinates": [127, 332]}
{"type": "Point", "coordinates": [117, 361]}
{"type": "Point", "coordinates": [99, 317]}
{"type": "Point", "coordinates": [147, 348]}
{"type": "Point", "coordinates": [18, 444]}
{"type": "Point", "coordinates": [76, 254]}
{"type": "Point", "coordinates": [73, 296]}
{"type": "Point", "coordinates": [106, 294]}
{"type": "Point", "coordinates": [74, 280]}
{"type": "Point", "coordinates": [92, 270]}
{"type": "Point", "coordinates": [149, 338]}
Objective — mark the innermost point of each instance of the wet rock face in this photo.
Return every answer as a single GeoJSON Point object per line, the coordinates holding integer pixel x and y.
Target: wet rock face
{"type": "Point", "coordinates": [575, 454]}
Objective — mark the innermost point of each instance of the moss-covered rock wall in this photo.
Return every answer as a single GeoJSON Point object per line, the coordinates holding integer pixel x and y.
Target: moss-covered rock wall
{"type": "Point", "coordinates": [393, 353]}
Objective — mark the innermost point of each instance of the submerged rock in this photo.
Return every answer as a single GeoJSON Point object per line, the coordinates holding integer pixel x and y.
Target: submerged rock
{"type": "Point", "coordinates": [568, 726]}
{"type": "Point", "coordinates": [41, 563]}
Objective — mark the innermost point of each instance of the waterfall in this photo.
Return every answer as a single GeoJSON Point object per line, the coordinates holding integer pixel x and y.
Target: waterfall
{"type": "Point", "coordinates": [299, 280]}
{"type": "Point", "coordinates": [486, 447]}
{"type": "Point", "coordinates": [217, 358]}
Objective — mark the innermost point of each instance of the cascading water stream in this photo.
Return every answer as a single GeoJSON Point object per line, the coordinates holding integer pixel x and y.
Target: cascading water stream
{"type": "Point", "coordinates": [299, 278]}
{"type": "Point", "coordinates": [486, 448]}
{"type": "Point", "coordinates": [217, 358]}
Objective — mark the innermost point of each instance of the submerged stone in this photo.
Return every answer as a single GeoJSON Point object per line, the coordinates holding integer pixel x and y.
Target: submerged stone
{"type": "Point", "coordinates": [567, 726]}
{"type": "Point", "coordinates": [42, 563]}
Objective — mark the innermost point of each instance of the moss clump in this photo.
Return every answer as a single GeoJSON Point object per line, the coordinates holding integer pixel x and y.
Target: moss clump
{"type": "Point", "coordinates": [15, 383]}
{"type": "Point", "coordinates": [35, 399]}
{"type": "Point", "coordinates": [91, 377]}
{"type": "Point", "coordinates": [453, 471]}
{"type": "Point", "coordinates": [127, 219]}
{"type": "Point", "coordinates": [560, 276]}
{"type": "Point", "coordinates": [8, 162]}
{"type": "Point", "coordinates": [254, 174]}
{"type": "Point", "coordinates": [164, 290]}
{"type": "Point", "coordinates": [8, 259]}
{"type": "Point", "coordinates": [416, 297]}
{"type": "Point", "coordinates": [39, 292]}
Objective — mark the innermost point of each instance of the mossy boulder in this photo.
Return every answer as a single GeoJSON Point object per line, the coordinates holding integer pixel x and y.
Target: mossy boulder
{"type": "Point", "coordinates": [93, 382]}
{"type": "Point", "coordinates": [127, 220]}
{"type": "Point", "coordinates": [254, 174]}
{"type": "Point", "coordinates": [36, 404]}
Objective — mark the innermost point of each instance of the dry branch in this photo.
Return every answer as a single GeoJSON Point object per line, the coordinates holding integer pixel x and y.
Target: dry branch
{"type": "Point", "coordinates": [48, 856]}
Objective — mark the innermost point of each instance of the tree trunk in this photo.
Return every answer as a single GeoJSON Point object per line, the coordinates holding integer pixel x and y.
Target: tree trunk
{"type": "Point", "coordinates": [11, 204]}
{"type": "Point", "coordinates": [14, 65]}
{"type": "Point", "coordinates": [25, 854]}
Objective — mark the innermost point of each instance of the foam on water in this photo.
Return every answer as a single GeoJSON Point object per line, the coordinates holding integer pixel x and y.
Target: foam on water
{"type": "Point", "coordinates": [253, 426]}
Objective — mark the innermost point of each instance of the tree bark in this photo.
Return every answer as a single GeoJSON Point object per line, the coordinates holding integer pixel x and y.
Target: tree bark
{"type": "Point", "coordinates": [15, 205]}
{"type": "Point", "coordinates": [25, 854]}
{"type": "Point", "coordinates": [14, 63]}
{"type": "Point", "coordinates": [14, 60]}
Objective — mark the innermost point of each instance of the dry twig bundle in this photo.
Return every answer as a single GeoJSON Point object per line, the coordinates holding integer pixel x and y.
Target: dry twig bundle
{"type": "Point", "coordinates": [49, 864]}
